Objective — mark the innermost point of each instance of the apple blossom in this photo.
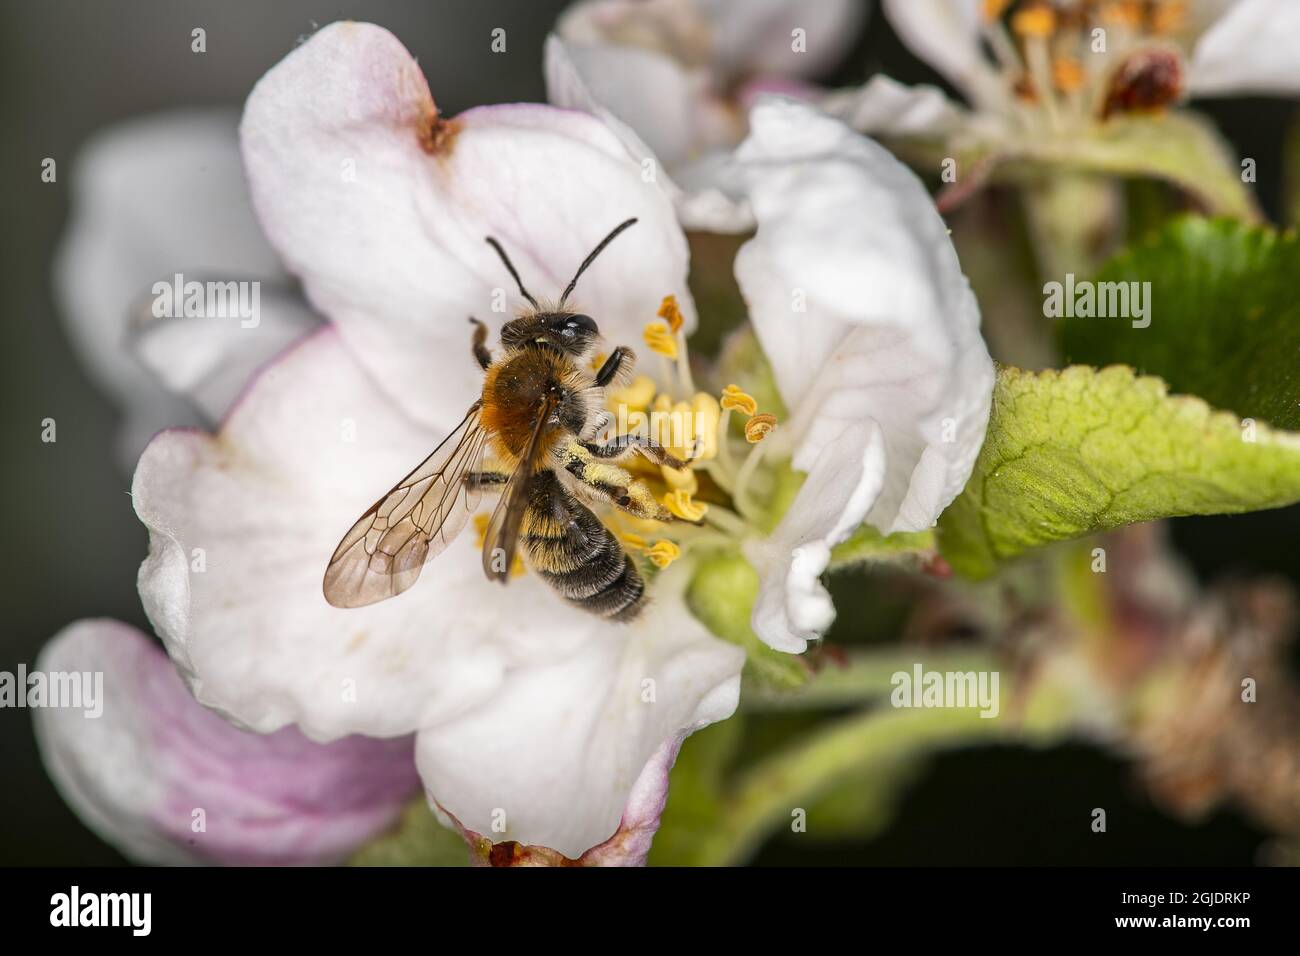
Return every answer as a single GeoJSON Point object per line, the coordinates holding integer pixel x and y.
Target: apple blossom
{"type": "Point", "coordinates": [538, 728]}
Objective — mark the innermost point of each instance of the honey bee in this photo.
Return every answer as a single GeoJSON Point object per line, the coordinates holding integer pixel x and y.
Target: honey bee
{"type": "Point", "coordinates": [538, 420]}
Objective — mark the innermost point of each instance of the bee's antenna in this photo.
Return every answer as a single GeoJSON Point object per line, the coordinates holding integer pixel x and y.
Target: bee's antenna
{"type": "Point", "coordinates": [509, 265]}
{"type": "Point", "coordinates": [594, 253]}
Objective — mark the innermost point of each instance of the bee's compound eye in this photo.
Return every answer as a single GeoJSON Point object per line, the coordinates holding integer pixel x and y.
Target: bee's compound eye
{"type": "Point", "coordinates": [573, 324]}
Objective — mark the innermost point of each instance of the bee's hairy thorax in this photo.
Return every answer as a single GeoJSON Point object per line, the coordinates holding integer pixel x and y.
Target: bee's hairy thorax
{"type": "Point", "coordinates": [516, 390]}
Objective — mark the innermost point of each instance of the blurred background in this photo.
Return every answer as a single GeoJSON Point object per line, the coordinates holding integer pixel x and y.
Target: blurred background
{"type": "Point", "coordinates": [73, 544]}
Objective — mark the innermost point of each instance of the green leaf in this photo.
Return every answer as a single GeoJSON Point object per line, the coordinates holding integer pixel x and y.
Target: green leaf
{"type": "Point", "coordinates": [1224, 317]}
{"type": "Point", "coordinates": [418, 840]}
{"type": "Point", "coordinates": [721, 595]}
{"type": "Point", "coordinates": [868, 544]}
{"type": "Point", "coordinates": [1077, 451]}
{"type": "Point", "coordinates": [695, 792]}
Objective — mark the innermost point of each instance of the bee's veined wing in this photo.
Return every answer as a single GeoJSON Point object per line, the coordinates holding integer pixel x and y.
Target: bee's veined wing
{"type": "Point", "coordinates": [384, 552]}
{"type": "Point", "coordinates": [502, 535]}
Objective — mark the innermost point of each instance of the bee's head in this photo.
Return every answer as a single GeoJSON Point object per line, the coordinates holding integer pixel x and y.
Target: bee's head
{"type": "Point", "coordinates": [571, 333]}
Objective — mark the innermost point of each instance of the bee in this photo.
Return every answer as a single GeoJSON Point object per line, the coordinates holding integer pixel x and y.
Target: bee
{"type": "Point", "coordinates": [532, 437]}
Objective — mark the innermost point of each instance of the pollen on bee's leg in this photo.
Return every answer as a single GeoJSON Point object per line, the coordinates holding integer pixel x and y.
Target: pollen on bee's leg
{"type": "Point", "coordinates": [661, 339]}
{"type": "Point", "coordinates": [759, 427]}
{"type": "Point", "coordinates": [663, 553]}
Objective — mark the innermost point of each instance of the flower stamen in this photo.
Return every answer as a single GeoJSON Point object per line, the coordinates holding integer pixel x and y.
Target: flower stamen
{"type": "Point", "coordinates": [759, 427]}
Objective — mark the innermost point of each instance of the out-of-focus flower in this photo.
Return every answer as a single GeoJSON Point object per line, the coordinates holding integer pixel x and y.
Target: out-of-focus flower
{"type": "Point", "coordinates": [166, 781]}
{"type": "Point", "coordinates": [151, 199]}
{"type": "Point", "coordinates": [675, 80]}
{"type": "Point", "coordinates": [1048, 82]}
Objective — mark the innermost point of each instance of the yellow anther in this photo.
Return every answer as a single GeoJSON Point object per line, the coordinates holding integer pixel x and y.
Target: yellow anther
{"type": "Point", "coordinates": [633, 542]}
{"type": "Point", "coordinates": [1067, 74]}
{"type": "Point", "coordinates": [1122, 13]}
{"type": "Point", "coordinates": [758, 427]}
{"type": "Point", "coordinates": [682, 479]}
{"type": "Point", "coordinates": [680, 504]}
{"type": "Point", "coordinates": [669, 312]}
{"type": "Point", "coordinates": [636, 396]}
{"type": "Point", "coordinates": [1168, 17]}
{"type": "Point", "coordinates": [993, 9]}
{"type": "Point", "coordinates": [597, 361]}
{"type": "Point", "coordinates": [1034, 21]}
{"type": "Point", "coordinates": [706, 415]}
{"type": "Point", "coordinates": [736, 400]}
{"type": "Point", "coordinates": [661, 339]}
{"type": "Point", "coordinates": [663, 553]}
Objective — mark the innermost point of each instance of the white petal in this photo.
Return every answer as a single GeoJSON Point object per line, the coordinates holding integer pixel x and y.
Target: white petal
{"type": "Point", "coordinates": [1252, 48]}
{"type": "Point", "coordinates": [151, 198]}
{"type": "Point", "coordinates": [757, 36]}
{"type": "Point", "coordinates": [140, 763]}
{"type": "Point", "coordinates": [691, 182]}
{"type": "Point", "coordinates": [885, 107]}
{"type": "Point", "coordinates": [860, 304]}
{"type": "Point", "coordinates": [793, 607]}
{"type": "Point", "coordinates": [382, 208]}
{"type": "Point", "coordinates": [647, 91]}
{"type": "Point", "coordinates": [946, 34]}
{"type": "Point", "coordinates": [560, 753]}
{"type": "Point", "coordinates": [241, 526]}
{"type": "Point", "coordinates": [210, 358]}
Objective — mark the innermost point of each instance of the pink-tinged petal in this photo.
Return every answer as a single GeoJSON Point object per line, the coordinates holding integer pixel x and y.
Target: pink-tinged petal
{"type": "Point", "coordinates": [946, 34]}
{"type": "Point", "coordinates": [1251, 48]}
{"type": "Point", "coordinates": [573, 755]}
{"type": "Point", "coordinates": [153, 197]}
{"type": "Point", "coordinates": [860, 304]}
{"type": "Point", "coordinates": [242, 524]}
{"type": "Point", "coordinates": [629, 846]}
{"type": "Point", "coordinates": [381, 206]}
{"type": "Point", "coordinates": [166, 781]}
{"type": "Point", "coordinates": [211, 357]}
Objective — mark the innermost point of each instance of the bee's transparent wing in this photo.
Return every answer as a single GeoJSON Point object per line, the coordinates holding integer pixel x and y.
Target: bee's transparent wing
{"type": "Point", "coordinates": [384, 552]}
{"type": "Point", "coordinates": [502, 536]}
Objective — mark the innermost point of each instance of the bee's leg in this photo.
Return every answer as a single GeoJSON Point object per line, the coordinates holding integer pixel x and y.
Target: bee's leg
{"type": "Point", "coordinates": [485, 480]}
{"type": "Point", "coordinates": [479, 343]}
{"type": "Point", "coordinates": [614, 484]}
{"type": "Point", "coordinates": [623, 445]}
{"type": "Point", "coordinates": [620, 360]}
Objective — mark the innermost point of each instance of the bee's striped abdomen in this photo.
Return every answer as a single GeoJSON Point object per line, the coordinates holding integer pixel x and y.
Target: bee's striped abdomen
{"type": "Point", "coordinates": [577, 555]}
